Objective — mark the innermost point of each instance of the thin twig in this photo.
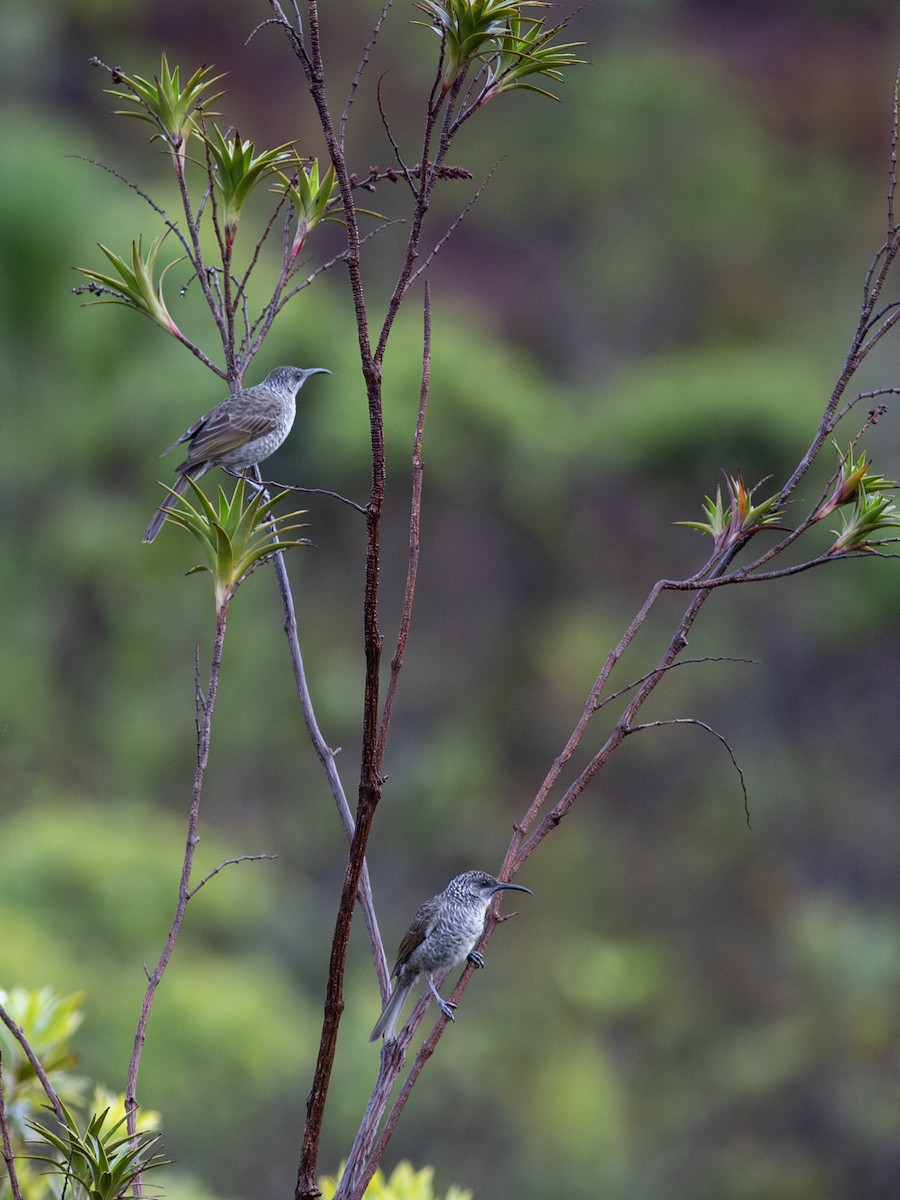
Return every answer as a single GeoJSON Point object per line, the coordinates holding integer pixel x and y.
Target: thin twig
{"type": "Point", "coordinates": [430, 168]}
{"type": "Point", "coordinates": [415, 516]}
{"type": "Point", "coordinates": [448, 233]}
{"type": "Point", "coordinates": [257, 250]}
{"type": "Point", "coordinates": [228, 862]}
{"type": "Point", "coordinates": [157, 208]}
{"type": "Point", "coordinates": [36, 1065]}
{"type": "Point", "coordinates": [363, 63]}
{"type": "Point", "coordinates": [386, 126]}
{"type": "Point", "coordinates": [327, 757]}
{"type": "Point", "coordinates": [892, 165]}
{"type": "Point", "coordinates": [332, 262]}
{"type": "Point", "coordinates": [873, 394]}
{"type": "Point", "coordinates": [8, 1156]}
{"type": "Point", "coordinates": [214, 303]}
{"type": "Point", "coordinates": [279, 21]}
{"type": "Point", "coordinates": [292, 487]}
{"type": "Point", "coordinates": [684, 662]}
{"type": "Point", "coordinates": [98, 289]}
{"type": "Point", "coordinates": [205, 708]}
{"type": "Point", "coordinates": [294, 36]}
{"type": "Point", "coordinates": [254, 338]}
{"type": "Point", "coordinates": [715, 733]}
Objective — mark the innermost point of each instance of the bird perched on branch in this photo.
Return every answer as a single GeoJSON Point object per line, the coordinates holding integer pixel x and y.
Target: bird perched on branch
{"type": "Point", "coordinates": [443, 934]}
{"type": "Point", "coordinates": [238, 433]}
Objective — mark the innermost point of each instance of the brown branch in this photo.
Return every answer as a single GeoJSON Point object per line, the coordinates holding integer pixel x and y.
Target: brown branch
{"type": "Point", "coordinates": [519, 850]}
{"type": "Point", "coordinates": [391, 175]}
{"type": "Point", "coordinates": [590, 707]}
{"type": "Point", "coordinates": [369, 780]}
{"type": "Point", "coordinates": [745, 575]}
{"type": "Point", "coordinates": [370, 776]}
{"type": "Point", "coordinates": [714, 574]}
{"type": "Point", "coordinates": [293, 36]}
{"type": "Point", "coordinates": [876, 277]}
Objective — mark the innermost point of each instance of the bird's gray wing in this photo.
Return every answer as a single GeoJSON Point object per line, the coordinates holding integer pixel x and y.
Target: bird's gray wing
{"type": "Point", "coordinates": [416, 934]}
{"type": "Point", "coordinates": [222, 429]}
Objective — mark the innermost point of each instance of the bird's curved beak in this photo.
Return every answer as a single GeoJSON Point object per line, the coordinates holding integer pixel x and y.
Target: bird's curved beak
{"type": "Point", "coordinates": [317, 371]}
{"type": "Point", "coordinates": [512, 887]}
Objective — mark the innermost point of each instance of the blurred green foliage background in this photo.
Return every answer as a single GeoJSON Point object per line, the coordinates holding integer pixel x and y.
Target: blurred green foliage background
{"type": "Point", "coordinates": [659, 283]}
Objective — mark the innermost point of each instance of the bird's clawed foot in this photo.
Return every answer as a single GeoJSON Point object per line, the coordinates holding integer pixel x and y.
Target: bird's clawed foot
{"type": "Point", "coordinates": [446, 1007]}
{"type": "Point", "coordinates": [476, 958]}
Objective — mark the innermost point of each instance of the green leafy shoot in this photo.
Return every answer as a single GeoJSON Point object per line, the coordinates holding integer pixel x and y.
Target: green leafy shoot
{"type": "Point", "coordinates": [238, 169]}
{"type": "Point", "coordinates": [172, 109]}
{"type": "Point", "coordinates": [103, 1164]}
{"type": "Point", "coordinates": [852, 474]}
{"type": "Point", "coordinates": [237, 536]}
{"type": "Point", "coordinates": [872, 514]}
{"type": "Point", "coordinates": [312, 195]}
{"type": "Point", "coordinates": [735, 517]}
{"type": "Point", "coordinates": [471, 29]}
{"type": "Point", "coordinates": [527, 49]}
{"type": "Point", "coordinates": [135, 285]}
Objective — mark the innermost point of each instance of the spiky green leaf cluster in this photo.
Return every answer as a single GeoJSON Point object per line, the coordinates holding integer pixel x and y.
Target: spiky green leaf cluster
{"type": "Point", "coordinates": [470, 28]}
{"type": "Point", "coordinates": [873, 510]}
{"type": "Point", "coordinates": [237, 536]}
{"type": "Point", "coordinates": [872, 515]}
{"type": "Point", "coordinates": [238, 169]}
{"type": "Point", "coordinates": [173, 110]}
{"type": "Point", "coordinates": [852, 473]}
{"type": "Point", "coordinates": [499, 36]}
{"type": "Point", "coordinates": [527, 49]}
{"type": "Point", "coordinates": [100, 1163]}
{"type": "Point", "coordinates": [735, 517]}
{"type": "Point", "coordinates": [135, 285]}
{"type": "Point", "coordinates": [49, 1022]}
{"type": "Point", "coordinates": [404, 1183]}
{"type": "Point", "coordinates": [311, 193]}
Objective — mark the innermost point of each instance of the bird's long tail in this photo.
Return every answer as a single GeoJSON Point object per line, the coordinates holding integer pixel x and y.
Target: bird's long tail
{"type": "Point", "coordinates": [179, 487]}
{"type": "Point", "coordinates": [387, 1022]}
